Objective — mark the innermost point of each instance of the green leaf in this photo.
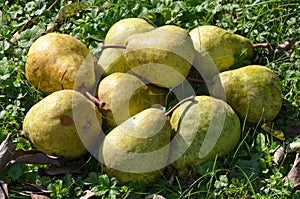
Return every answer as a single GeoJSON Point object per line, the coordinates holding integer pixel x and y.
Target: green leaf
{"type": "Point", "coordinates": [92, 179]}
{"type": "Point", "coordinates": [28, 36]}
{"type": "Point", "coordinates": [58, 189]}
{"type": "Point", "coordinates": [15, 171]}
{"type": "Point", "coordinates": [222, 182]}
{"type": "Point", "coordinates": [99, 190]}
{"type": "Point", "coordinates": [261, 142]}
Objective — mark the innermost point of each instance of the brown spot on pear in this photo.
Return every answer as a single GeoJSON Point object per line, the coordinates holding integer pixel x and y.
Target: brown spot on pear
{"type": "Point", "coordinates": [65, 120]}
{"type": "Point", "coordinates": [65, 124]}
{"type": "Point", "coordinates": [58, 61]}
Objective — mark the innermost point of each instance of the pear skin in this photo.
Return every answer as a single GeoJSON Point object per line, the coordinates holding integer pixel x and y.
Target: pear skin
{"type": "Point", "coordinates": [162, 56]}
{"type": "Point", "coordinates": [125, 95]}
{"type": "Point", "coordinates": [221, 45]}
{"type": "Point", "coordinates": [58, 61]}
{"type": "Point", "coordinates": [63, 124]}
{"type": "Point", "coordinates": [124, 28]}
{"type": "Point", "coordinates": [205, 128]}
{"type": "Point", "coordinates": [137, 150]}
{"type": "Point", "coordinates": [112, 59]}
{"type": "Point", "coordinates": [253, 91]}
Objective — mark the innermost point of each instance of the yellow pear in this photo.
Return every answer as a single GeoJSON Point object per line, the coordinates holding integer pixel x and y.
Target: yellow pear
{"type": "Point", "coordinates": [137, 150]}
{"type": "Point", "coordinates": [124, 28]}
{"type": "Point", "coordinates": [112, 60]}
{"type": "Point", "coordinates": [220, 45]}
{"type": "Point", "coordinates": [125, 95]}
{"type": "Point", "coordinates": [205, 128]}
{"type": "Point", "coordinates": [162, 56]}
{"type": "Point", "coordinates": [64, 124]}
{"type": "Point", "coordinates": [58, 61]}
{"type": "Point", "coordinates": [253, 91]}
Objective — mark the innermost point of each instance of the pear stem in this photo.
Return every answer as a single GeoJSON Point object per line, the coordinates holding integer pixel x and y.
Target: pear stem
{"type": "Point", "coordinates": [264, 45]}
{"type": "Point", "coordinates": [191, 98]}
{"type": "Point", "coordinates": [100, 103]}
{"type": "Point", "coordinates": [103, 47]}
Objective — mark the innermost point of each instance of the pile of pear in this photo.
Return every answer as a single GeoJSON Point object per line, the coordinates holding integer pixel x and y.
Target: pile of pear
{"type": "Point", "coordinates": [116, 111]}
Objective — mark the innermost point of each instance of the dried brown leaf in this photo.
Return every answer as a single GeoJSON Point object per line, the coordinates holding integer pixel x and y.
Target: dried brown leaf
{"type": "Point", "coordinates": [87, 194]}
{"type": "Point", "coordinates": [292, 147]}
{"type": "Point", "coordinates": [35, 188]}
{"type": "Point", "coordinates": [6, 151]}
{"type": "Point", "coordinates": [294, 173]}
{"type": "Point", "coordinates": [75, 166]}
{"type": "Point", "coordinates": [34, 157]}
{"type": "Point", "coordinates": [38, 196]}
{"type": "Point", "coordinates": [293, 130]}
{"type": "Point", "coordinates": [154, 196]}
{"type": "Point", "coordinates": [271, 50]}
{"type": "Point", "coordinates": [275, 133]}
{"type": "Point", "coordinates": [68, 11]}
{"type": "Point", "coordinates": [278, 155]}
{"type": "Point", "coordinates": [58, 171]}
{"type": "Point", "coordinates": [3, 190]}
{"type": "Point", "coordinates": [63, 14]}
{"type": "Point", "coordinates": [286, 45]}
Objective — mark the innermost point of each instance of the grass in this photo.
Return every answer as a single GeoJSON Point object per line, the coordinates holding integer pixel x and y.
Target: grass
{"type": "Point", "coordinates": [248, 172]}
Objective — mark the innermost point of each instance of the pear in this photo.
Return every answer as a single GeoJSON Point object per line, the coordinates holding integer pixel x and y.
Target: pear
{"type": "Point", "coordinates": [64, 124]}
{"type": "Point", "coordinates": [125, 95]}
{"type": "Point", "coordinates": [219, 44]}
{"type": "Point", "coordinates": [58, 61]}
{"type": "Point", "coordinates": [162, 56]}
{"type": "Point", "coordinates": [124, 28]}
{"type": "Point", "coordinates": [112, 60]}
{"type": "Point", "coordinates": [253, 91]}
{"type": "Point", "coordinates": [205, 128]}
{"type": "Point", "coordinates": [137, 150]}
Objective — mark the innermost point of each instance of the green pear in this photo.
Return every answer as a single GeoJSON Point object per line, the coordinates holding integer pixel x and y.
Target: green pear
{"type": "Point", "coordinates": [58, 61]}
{"type": "Point", "coordinates": [162, 56]}
{"type": "Point", "coordinates": [124, 28]}
{"type": "Point", "coordinates": [253, 91]}
{"type": "Point", "coordinates": [112, 60]}
{"type": "Point", "coordinates": [205, 128]}
{"type": "Point", "coordinates": [64, 124]}
{"type": "Point", "coordinates": [125, 95]}
{"type": "Point", "coordinates": [220, 45]}
{"type": "Point", "coordinates": [137, 150]}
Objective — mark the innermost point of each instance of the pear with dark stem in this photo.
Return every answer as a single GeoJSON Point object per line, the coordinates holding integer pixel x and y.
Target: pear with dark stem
{"type": "Point", "coordinates": [137, 150]}
{"type": "Point", "coordinates": [112, 60]}
{"type": "Point", "coordinates": [162, 56]}
{"type": "Point", "coordinates": [205, 129]}
{"type": "Point", "coordinates": [64, 124]}
{"type": "Point", "coordinates": [123, 95]}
